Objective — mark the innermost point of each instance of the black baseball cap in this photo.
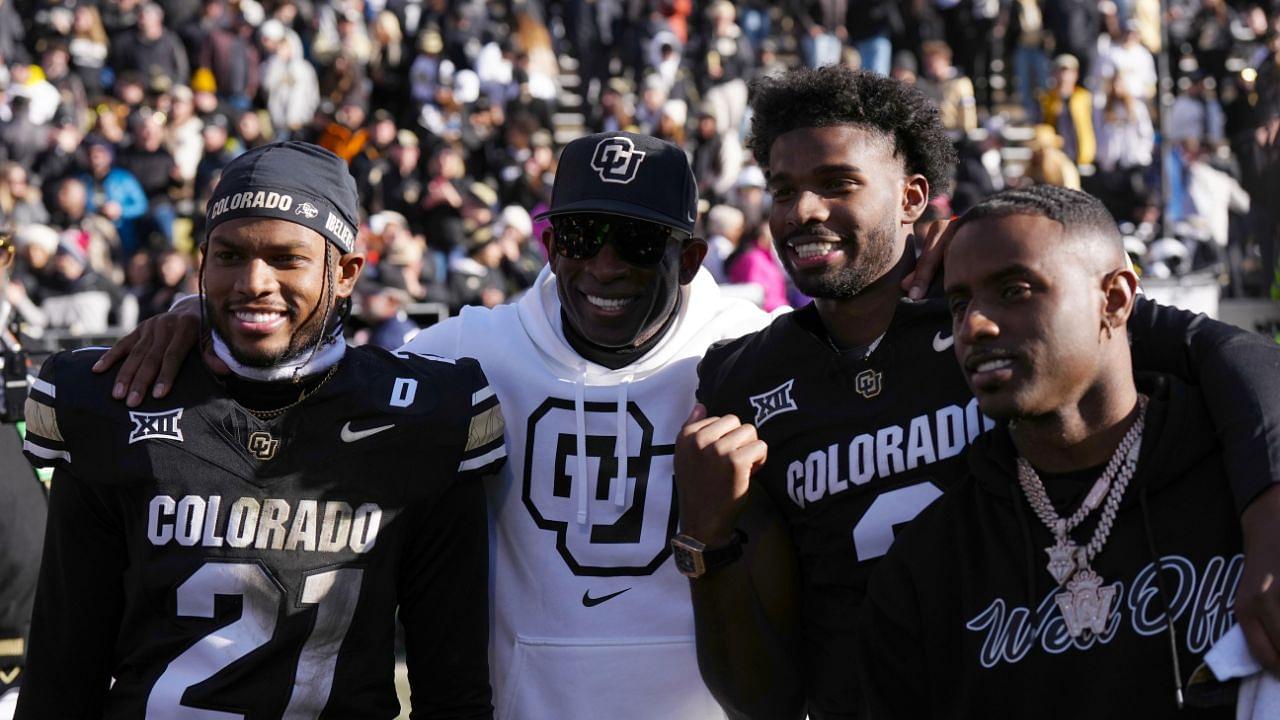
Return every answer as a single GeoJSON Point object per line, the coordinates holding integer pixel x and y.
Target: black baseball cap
{"type": "Point", "coordinates": [622, 173]}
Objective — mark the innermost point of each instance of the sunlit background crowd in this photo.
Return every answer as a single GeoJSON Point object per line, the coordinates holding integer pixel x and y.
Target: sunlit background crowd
{"type": "Point", "coordinates": [116, 117]}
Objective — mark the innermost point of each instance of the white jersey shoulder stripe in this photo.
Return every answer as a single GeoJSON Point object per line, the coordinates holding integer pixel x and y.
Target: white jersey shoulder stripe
{"type": "Point", "coordinates": [482, 394]}
{"type": "Point", "coordinates": [46, 453]}
{"type": "Point", "coordinates": [478, 462]}
{"type": "Point", "coordinates": [45, 387]}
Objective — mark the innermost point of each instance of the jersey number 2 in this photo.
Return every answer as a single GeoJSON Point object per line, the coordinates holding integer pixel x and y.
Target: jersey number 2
{"type": "Point", "coordinates": [334, 592]}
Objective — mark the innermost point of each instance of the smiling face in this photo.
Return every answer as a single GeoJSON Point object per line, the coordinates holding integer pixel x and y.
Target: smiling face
{"type": "Point", "coordinates": [265, 287]}
{"type": "Point", "coordinates": [616, 304]}
{"type": "Point", "coordinates": [842, 207]}
{"type": "Point", "coordinates": [1027, 308]}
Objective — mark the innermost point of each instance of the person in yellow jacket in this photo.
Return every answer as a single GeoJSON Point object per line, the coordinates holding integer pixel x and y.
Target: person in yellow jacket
{"type": "Point", "coordinates": [1068, 108]}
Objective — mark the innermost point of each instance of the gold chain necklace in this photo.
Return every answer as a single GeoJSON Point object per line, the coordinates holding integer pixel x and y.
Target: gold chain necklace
{"type": "Point", "coordinates": [269, 414]}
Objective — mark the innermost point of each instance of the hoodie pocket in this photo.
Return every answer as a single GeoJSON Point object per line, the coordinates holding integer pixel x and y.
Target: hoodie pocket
{"type": "Point", "coordinates": [605, 678]}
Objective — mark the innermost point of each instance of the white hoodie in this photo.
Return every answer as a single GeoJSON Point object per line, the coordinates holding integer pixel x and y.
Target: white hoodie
{"type": "Point", "coordinates": [591, 619]}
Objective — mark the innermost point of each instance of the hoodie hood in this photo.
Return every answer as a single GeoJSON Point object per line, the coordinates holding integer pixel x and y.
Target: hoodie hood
{"type": "Point", "coordinates": [700, 304]}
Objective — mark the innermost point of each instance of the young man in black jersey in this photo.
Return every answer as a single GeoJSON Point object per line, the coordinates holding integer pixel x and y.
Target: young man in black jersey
{"type": "Point", "coordinates": [1091, 552]}
{"type": "Point", "coordinates": [823, 434]}
{"type": "Point", "coordinates": [243, 547]}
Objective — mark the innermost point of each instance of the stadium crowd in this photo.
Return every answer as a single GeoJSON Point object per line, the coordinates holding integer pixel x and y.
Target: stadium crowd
{"type": "Point", "coordinates": [116, 117]}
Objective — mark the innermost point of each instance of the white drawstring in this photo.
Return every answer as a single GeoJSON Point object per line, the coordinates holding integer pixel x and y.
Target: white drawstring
{"type": "Point", "coordinates": [620, 487]}
{"type": "Point", "coordinates": [580, 416]}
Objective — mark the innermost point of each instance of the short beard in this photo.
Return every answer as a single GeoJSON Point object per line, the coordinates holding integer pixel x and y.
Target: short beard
{"type": "Point", "coordinates": [303, 340]}
{"type": "Point", "coordinates": [875, 257]}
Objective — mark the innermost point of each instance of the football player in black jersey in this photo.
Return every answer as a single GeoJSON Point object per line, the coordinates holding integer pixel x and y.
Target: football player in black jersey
{"type": "Point", "coordinates": [841, 421]}
{"type": "Point", "coordinates": [241, 548]}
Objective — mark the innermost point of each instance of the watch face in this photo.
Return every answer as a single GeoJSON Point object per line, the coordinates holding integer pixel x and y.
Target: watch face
{"type": "Point", "coordinates": [684, 561]}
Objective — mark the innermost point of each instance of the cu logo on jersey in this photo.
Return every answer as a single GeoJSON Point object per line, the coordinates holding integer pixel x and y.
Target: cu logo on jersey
{"type": "Point", "coordinates": [611, 538]}
{"type": "Point", "coordinates": [617, 160]}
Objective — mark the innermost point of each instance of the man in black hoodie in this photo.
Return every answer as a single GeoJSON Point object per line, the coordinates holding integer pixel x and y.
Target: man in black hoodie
{"type": "Point", "coordinates": [1096, 510]}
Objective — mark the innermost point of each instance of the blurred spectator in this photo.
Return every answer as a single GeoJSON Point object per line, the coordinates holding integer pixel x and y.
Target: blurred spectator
{"type": "Point", "coordinates": [20, 202]}
{"type": "Point", "coordinates": [89, 48]}
{"type": "Point", "coordinates": [70, 211]}
{"type": "Point", "coordinates": [151, 49]}
{"type": "Point", "coordinates": [823, 24]}
{"type": "Point", "coordinates": [114, 193]}
{"type": "Point", "coordinates": [1125, 57]}
{"type": "Point", "coordinates": [217, 154]}
{"type": "Point", "coordinates": [250, 130]}
{"type": "Point", "coordinates": [61, 158]}
{"type": "Point", "coordinates": [1126, 145]}
{"type": "Point", "coordinates": [22, 138]}
{"type": "Point", "coordinates": [522, 257]}
{"type": "Point", "coordinates": [148, 160]}
{"type": "Point", "coordinates": [1210, 197]}
{"type": "Point", "coordinates": [946, 86]}
{"type": "Point", "coordinates": [1211, 36]}
{"type": "Point", "coordinates": [750, 196]}
{"type": "Point", "coordinates": [389, 60]}
{"type": "Point", "coordinates": [1075, 26]}
{"type": "Point", "coordinates": [724, 228]}
{"type": "Point", "coordinates": [1049, 164]}
{"type": "Point", "coordinates": [1023, 27]}
{"type": "Point", "coordinates": [405, 263]}
{"type": "Point", "coordinates": [383, 308]}
{"type": "Point", "coordinates": [233, 60]}
{"type": "Point", "coordinates": [1196, 114]}
{"type": "Point", "coordinates": [980, 170]}
{"type": "Point", "coordinates": [753, 261]}
{"type": "Point", "coordinates": [1067, 107]}
{"type": "Point", "coordinates": [56, 64]}
{"type": "Point", "coordinates": [289, 83]}
{"type": "Point", "coordinates": [871, 24]}
{"type": "Point", "coordinates": [184, 136]}
{"type": "Point", "coordinates": [478, 277]}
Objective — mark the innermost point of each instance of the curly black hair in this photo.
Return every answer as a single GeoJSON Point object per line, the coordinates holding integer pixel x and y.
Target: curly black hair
{"type": "Point", "coordinates": [1079, 211]}
{"type": "Point", "coordinates": [836, 95]}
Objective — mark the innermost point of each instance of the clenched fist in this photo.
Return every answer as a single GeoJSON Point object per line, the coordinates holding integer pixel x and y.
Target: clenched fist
{"type": "Point", "coordinates": [715, 458]}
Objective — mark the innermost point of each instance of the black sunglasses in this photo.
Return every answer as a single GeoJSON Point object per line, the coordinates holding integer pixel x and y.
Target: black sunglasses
{"type": "Point", "coordinates": [639, 242]}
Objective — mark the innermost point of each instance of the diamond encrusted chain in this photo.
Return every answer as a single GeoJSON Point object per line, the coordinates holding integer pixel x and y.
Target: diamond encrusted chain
{"type": "Point", "coordinates": [1086, 603]}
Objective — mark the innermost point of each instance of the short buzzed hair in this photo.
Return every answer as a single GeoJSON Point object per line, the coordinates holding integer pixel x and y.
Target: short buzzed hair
{"type": "Point", "coordinates": [1072, 209]}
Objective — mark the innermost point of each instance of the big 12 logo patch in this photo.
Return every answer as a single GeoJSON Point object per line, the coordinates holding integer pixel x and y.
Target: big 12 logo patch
{"type": "Point", "coordinates": [610, 538]}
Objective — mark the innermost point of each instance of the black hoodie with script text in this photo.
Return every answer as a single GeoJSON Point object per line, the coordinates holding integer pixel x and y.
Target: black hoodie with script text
{"type": "Point", "coordinates": [961, 619]}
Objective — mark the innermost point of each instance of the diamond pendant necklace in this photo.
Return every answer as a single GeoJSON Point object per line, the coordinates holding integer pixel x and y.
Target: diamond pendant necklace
{"type": "Point", "coordinates": [1085, 604]}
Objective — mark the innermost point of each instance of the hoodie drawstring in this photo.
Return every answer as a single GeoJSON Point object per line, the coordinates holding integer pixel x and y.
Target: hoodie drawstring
{"type": "Point", "coordinates": [620, 487]}
{"type": "Point", "coordinates": [582, 487]}
{"type": "Point", "coordinates": [1164, 597]}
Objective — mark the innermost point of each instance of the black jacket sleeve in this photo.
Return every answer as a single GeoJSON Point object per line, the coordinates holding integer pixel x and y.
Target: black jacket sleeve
{"type": "Point", "coordinates": [79, 599]}
{"type": "Point", "coordinates": [891, 658]}
{"type": "Point", "coordinates": [1239, 374]}
{"type": "Point", "coordinates": [444, 606]}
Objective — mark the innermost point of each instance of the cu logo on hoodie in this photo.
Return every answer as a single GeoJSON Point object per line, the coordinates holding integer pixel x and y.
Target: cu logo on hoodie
{"type": "Point", "coordinates": [601, 485]}
{"type": "Point", "coordinates": [617, 160]}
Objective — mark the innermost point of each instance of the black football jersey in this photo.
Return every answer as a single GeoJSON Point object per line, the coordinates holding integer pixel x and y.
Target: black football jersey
{"type": "Point", "coordinates": [201, 562]}
{"type": "Point", "coordinates": [858, 445]}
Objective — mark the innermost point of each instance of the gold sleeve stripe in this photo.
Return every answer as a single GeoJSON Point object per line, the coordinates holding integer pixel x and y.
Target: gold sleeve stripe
{"type": "Point", "coordinates": [11, 647]}
{"type": "Point", "coordinates": [42, 420]}
{"type": "Point", "coordinates": [485, 428]}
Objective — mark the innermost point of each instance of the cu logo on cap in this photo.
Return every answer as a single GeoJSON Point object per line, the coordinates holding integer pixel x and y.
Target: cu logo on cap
{"type": "Point", "coordinates": [617, 160]}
